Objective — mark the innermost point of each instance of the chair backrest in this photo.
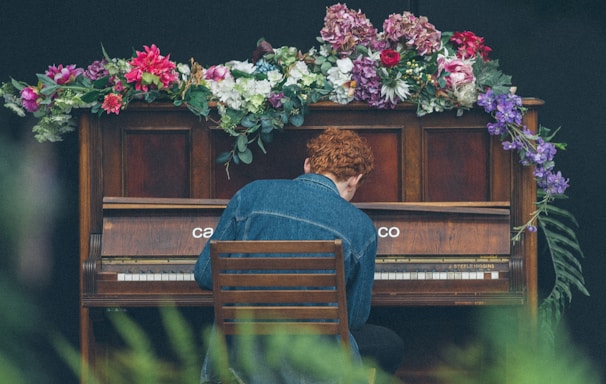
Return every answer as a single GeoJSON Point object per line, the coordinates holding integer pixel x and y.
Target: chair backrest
{"type": "Point", "coordinates": [291, 285]}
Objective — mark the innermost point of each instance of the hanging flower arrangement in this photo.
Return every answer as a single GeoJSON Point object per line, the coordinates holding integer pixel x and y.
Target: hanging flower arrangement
{"type": "Point", "coordinates": [409, 61]}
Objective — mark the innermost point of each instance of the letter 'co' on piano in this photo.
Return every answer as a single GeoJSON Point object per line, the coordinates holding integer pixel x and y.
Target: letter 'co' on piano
{"type": "Point", "coordinates": [439, 253]}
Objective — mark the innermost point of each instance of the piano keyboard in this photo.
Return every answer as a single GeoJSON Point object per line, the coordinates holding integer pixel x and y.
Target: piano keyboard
{"type": "Point", "coordinates": [386, 269]}
{"type": "Point", "coordinates": [153, 276]}
{"type": "Point", "coordinates": [436, 275]}
{"type": "Point", "coordinates": [442, 268]}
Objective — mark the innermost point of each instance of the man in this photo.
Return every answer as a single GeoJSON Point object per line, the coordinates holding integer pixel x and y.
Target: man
{"type": "Point", "coordinates": [315, 206]}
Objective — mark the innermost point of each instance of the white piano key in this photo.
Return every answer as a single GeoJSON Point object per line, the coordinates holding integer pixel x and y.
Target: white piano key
{"type": "Point", "coordinates": [465, 275]}
{"type": "Point", "coordinates": [406, 276]}
{"type": "Point", "coordinates": [494, 275]}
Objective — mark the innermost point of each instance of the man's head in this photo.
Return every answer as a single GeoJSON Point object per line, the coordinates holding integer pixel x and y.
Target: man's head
{"type": "Point", "coordinates": [342, 155]}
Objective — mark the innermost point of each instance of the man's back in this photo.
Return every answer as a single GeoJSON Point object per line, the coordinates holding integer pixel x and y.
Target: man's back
{"type": "Point", "coordinates": [307, 208]}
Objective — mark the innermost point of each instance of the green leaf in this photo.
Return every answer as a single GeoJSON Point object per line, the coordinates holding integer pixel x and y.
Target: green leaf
{"type": "Point", "coordinates": [242, 143]}
{"type": "Point", "coordinates": [19, 85]}
{"type": "Point", "coordinates": [246, 156]}
{"type": "Point", "coordinates": [297, 120]}
{"type": "Point", "coordinates": [223, 158]}
{"type": "Point", "coordinates": [249, 121]}
{"type": "Point", "coordinates": [45, 80]}
{"type": "Point", "coordinates": [260, 144]}
{"type": "Point", "coordinates": [90, 97]}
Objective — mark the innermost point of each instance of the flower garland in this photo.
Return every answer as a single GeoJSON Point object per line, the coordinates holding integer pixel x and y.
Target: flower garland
{"type": "Point", "coordinates": [409, 61]}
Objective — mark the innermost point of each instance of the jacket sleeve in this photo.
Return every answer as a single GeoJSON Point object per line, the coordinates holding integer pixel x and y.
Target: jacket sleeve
{"type": "Point", "coordinates": [225, 230]}
{"type": "Point", "coordinates": [359, 286]}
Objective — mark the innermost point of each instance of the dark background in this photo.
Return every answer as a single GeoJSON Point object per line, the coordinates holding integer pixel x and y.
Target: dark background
{"type": "Point", "coordinates": [553, 49]}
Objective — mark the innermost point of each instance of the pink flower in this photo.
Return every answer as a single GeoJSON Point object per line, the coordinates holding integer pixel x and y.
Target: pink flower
{"type": "Point", "coordinates": [345, 28]}
{"type": "Point", "coordinates": [112, 103]}
{"type": "Point", "coordinates": [217, 73]}
{"type": "Point", "coordinates": [415, 32]}
{"type": "Point", "coordinates": [118, 86]}
{"type": "Point", "coordinates": [30, 99]}
{"type": "Point", "coordinates": [150, 68]}
{"type": "Point", "coordinates": [390, 58]}
{"type": "Point", "coordinates": [63, 75]}
{"type": "Point", "coordinates": [460, 72]}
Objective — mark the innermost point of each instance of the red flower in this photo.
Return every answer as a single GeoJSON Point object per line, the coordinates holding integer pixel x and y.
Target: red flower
{"type": "Point", "coordinates": [470, 45]}
{"type": "Point", "coordinates": [390, 58]}
{"type": "Point", "coordinates": [150, 68]}
{"type": "Point", "coordinates": [112, 103]}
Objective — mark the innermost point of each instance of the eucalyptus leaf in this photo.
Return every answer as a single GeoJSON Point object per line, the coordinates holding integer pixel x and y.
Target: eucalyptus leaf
{"type": "Point", "coordinates": [223, 157]}
{"type": "Point", "coordinates": [297, 120]}
{"type": "Point", "coordinates": [242, 143]}
{"type": "Point", "coordinates": [246, 156]}
{"type": "Point", "coordinates": [261, 145]}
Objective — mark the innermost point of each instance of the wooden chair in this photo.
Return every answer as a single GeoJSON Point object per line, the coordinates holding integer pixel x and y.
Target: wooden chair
{"type": "Point", "coordinates": [289, 285]}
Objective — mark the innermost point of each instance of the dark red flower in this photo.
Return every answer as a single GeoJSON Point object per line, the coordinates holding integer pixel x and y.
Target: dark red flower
{"type": "Point", "coordinates": [390, 58]}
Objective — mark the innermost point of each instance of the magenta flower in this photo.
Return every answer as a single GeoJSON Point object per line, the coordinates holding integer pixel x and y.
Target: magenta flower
{"type": "Point", "coordinates": [63, 75]}
{"type": "Point", "coordinates": [30, 99]}
{"type": "Point", "coordinates": [150, 68]}
{"type": "Point", "coordinates": [470, 45]}
{"type": "Point", "coordinates": [217, 73]}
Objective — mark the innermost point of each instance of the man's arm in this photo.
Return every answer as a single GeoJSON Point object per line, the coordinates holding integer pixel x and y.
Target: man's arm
{"type": "Point", "coordinates": [360, 287]}
{"type": "Point", "coordinates": [225, 230]}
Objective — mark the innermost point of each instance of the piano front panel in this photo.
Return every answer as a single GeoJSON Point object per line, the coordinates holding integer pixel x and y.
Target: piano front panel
{"type": "Point", "coordinates": [149, 246]}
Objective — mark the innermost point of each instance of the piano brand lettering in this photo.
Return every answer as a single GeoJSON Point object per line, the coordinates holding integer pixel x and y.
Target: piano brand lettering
{"type": "Point", "coordinates": [388, 232]}
{"type": "Point", "coordinates": [199, 233]}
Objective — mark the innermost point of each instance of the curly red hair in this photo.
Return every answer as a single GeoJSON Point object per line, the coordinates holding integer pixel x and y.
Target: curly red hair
{"type": "Point", "coordinates": [340, 152]}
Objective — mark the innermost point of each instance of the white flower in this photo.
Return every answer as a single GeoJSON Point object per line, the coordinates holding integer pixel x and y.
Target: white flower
{"type": "Point", "coordinates": [242, 66]}
{"type": "Point", "coordinates": [340, 78]}
{"type": "Point", "coordinates": [466, 94]}
{"type": "Point", "coordinates": [297, 73]}
{"type": "Point", "coordinates": [274, 77]}
{"type": "Point", "coordinates": [401, 90]}
{"type": "Point", "coordinates": [345, 65]}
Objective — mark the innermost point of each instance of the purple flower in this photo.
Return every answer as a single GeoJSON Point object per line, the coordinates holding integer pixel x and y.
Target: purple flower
{"type": "Point", "coordinates": [368, 88]}
{"type": "Point", "coordinates": [496, 129]}
{"type": "Point", "coordinates": [96, 70]}
{"type": "Point", "coordinates": [507, 112]}
{"type": "Point", "coordinates": [553, 183]}
{"type": "Point", "coordinates": [488, 101]}
{"type": "Point", "coordinates": [275, 99]}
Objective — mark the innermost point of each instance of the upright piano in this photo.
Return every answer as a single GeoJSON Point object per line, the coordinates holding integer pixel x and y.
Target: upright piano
{"type": "Point", "coordinates": [444, 198]}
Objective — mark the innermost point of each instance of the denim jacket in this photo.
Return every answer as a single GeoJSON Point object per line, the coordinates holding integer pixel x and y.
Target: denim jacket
{"type": "Point", "coordinates": [306, 208]}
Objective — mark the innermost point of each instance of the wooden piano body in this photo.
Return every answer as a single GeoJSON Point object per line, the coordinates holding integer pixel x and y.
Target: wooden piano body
{"type": "Point", "coordinates": [444, 197]}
